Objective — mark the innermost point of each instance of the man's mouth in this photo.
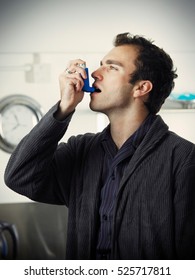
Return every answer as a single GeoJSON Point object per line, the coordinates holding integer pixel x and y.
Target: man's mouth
{"type": "Point", "coordinates": [97, 90]}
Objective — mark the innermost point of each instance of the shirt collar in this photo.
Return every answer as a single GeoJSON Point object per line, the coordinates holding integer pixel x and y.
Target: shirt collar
{"type": "Point", "coordinates": [136, 138]}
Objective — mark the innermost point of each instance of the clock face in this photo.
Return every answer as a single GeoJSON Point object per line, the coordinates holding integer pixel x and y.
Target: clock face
{"type": "Point", "coordinates": [16, 121]}
{"type": "Point", "coordinates": [18, 115]}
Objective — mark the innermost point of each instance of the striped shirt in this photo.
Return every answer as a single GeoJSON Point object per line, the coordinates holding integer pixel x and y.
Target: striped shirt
{"type": "Point", "coordinates": [115, 162]}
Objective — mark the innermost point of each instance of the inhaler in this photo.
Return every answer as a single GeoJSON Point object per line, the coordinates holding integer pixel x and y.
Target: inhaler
{"type": "Point", "coordinates": [86, 86]}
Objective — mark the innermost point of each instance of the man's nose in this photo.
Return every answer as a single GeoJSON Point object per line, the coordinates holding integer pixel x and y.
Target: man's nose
{"type": "Point", "coordinates": [97, 75]}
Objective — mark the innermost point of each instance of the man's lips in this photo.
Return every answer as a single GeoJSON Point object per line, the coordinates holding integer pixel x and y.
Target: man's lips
{"type": "Point", "coordinates": [97, 90]}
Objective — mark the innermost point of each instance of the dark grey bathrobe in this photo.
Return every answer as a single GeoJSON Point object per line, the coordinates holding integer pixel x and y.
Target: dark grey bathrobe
{"type": "Point", "coordinates": [154, 215]}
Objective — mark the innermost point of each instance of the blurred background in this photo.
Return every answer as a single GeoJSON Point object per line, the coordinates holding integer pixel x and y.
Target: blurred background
{"type": "Point", "coordinates": [38, 38]}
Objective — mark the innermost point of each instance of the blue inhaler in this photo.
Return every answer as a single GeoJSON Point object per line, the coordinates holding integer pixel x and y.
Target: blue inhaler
{"type": "Point", "coordinates": [86, 86]}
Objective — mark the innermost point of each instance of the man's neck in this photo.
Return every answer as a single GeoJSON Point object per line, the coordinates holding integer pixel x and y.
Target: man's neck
{"type": "Point", "coordinates": [123, 126]}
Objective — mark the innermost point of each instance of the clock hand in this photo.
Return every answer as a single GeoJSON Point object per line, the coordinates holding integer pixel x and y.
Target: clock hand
{"type": "Point", "coordinates": [16, 118]}
{"type": "Point", "coordinates": [15, 126]}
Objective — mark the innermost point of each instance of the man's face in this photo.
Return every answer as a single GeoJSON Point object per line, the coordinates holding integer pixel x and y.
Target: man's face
{"type": "Point", "coordinates": [112, 79]}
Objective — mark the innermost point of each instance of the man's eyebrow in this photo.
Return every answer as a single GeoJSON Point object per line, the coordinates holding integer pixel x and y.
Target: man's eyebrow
{"type": "Point", "coordinates": [110, 61]}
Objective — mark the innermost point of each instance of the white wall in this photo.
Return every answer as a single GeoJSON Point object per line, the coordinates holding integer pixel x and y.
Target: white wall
{"type": "Point", "coordinates": [83, 25]}
{"type": "Point", "coordinates": [61, 30]}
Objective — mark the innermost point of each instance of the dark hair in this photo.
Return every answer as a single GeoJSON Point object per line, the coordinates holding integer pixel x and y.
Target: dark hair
{"type": "Point", "coordinates": [153, 64]}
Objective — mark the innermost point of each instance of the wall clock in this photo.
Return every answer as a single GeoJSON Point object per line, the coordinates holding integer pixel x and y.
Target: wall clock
{"type": "Point", "coordinates": [18, 115]}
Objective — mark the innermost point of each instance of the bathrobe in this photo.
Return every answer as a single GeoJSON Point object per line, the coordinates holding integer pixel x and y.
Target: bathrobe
{"type": "Point", "coordinates": [154, 212]}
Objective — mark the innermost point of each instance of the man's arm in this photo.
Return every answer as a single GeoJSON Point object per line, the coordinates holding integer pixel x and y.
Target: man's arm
{"type": "Point", "coordinates": [33, 169]}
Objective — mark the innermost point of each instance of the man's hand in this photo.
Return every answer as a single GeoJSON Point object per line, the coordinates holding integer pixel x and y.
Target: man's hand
{"type": "Point", "coordinates": [71, 84]}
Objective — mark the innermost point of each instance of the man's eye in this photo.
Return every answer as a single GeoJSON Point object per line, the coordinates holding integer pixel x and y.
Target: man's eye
{"type": "Point", "coordinates": [111, 67]}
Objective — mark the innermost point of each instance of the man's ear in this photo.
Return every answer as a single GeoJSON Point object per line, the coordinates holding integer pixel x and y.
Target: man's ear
{"type": "Point", "coordinates": [142, 88]}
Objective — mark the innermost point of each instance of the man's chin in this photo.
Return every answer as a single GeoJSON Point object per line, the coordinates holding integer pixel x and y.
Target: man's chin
{"type": "Point", "coordinates": [93, 108]}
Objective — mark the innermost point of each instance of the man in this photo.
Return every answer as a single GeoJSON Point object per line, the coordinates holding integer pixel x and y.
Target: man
{"type": "Point", "coordinates": [130, 189]}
